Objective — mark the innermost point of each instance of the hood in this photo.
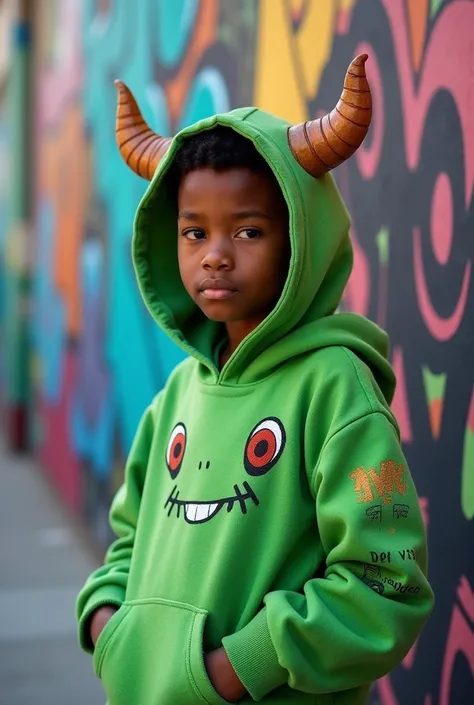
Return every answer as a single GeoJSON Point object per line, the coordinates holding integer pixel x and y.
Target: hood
{"type": "Point", "coordinates": [304, 318]}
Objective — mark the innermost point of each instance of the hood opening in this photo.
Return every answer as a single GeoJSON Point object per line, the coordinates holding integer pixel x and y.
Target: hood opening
{"type": "Point", "coordinates": [319, 268]}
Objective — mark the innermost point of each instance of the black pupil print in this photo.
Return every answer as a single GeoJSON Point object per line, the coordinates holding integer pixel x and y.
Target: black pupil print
{"type": "Point", "coordinates": [264, 446]}
{"type": "Point", "coordinates": [176, 449]}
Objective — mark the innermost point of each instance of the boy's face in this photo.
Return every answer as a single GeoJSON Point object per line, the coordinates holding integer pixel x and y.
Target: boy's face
{"type": "Point", "coordinates": [233, 243]}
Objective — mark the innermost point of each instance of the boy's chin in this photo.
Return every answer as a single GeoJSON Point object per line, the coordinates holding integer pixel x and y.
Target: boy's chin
{"type": "Point", "coordinates": [220, 312]}
{"type": "Point", "coordinates": [220, 318]}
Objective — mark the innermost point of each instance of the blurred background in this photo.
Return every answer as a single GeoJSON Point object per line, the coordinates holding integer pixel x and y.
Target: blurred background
{"type": "Point", "coordinates": [79, 356]}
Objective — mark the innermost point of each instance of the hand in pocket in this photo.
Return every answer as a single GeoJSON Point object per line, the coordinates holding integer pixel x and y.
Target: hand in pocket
{"type": "Point", "coordinates": [223, 677]}
{"type": "Point", "coordinates": [99, 619]}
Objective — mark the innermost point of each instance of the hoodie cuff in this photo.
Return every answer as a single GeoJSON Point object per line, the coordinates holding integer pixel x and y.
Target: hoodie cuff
{"type": "Point", "coordinates": [105, 595]}
{"type": "Point", "coordinates": [254, 659]}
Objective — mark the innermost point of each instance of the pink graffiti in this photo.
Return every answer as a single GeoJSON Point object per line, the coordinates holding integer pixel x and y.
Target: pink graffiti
{"type": "Point", "coordinates": [470, 416]}
{"type": "Point", "coordinates": [368, 155]}
{"type": "Point", "coordinates": [64, 76]}
{"type": "Point", "coordinates": [56, 454]}
{"type": "Point", "coordinates": [437, 73]}
{"type": "Point", "coordinates": [409, 659]}
{"type": "Point", "coordinates": [447, 64]}
{"type": "Point", "coordinates": [343, 20]}
{"type": "Point", "coordinates": [424, 503]}
{"type": "Point", "coordinates": [357, 291]}
{"type": "Point", "coordinates": [442, 218]}
{"type": "Point", "coordinates": [466, 597]}
{"type": "Point", "coordinates": [460, 637]}
{"type": "Point", "coordinates": [386, 693]}
{"type": "Point", "coordinates": [400, 401]}
{"type": "Point", "coordinates": [440, 328]}
{"type": "Point", "coordinates": [460, 640]}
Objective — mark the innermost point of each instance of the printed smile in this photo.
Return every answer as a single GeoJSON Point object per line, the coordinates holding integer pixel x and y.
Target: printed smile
{"type": "Point", "coordinates": [200, 512]}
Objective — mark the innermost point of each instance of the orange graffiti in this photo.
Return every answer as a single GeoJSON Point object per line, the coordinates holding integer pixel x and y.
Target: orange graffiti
{"type": "Point", "coordinates": [417, 21]}
{"type": "Point", "coordinates": [63, 179]}
{"type": "Point", "coordinates": [204, 34]}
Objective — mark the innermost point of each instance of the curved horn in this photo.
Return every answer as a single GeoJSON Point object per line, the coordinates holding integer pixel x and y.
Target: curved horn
{"type": "Point", "coordinates": [141, 148]}
{"type": "Point", "coordinates": [320, 145]}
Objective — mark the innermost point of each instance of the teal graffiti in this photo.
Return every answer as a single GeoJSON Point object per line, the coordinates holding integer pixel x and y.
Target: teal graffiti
{"type": "Point", "coordinates": [48, 319]}
{"type": "Point", "coordinates": [131, 43]}
{"type": "Point", "coordinates": [175, 23]}
{"type": "Point", "coordinates": [3, 232]}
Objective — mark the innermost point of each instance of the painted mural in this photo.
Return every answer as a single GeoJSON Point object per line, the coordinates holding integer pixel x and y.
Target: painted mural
{"type": "Point", "coordinates": [4, 160]}
{"type": "Point", "coordinates": [98, 359]}
{"type": "Point", "coordinates": [410, 193]}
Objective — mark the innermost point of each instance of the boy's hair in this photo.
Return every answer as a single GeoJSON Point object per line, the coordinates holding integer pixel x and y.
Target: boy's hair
{"type": "Point", "coordinates": [220, 148]}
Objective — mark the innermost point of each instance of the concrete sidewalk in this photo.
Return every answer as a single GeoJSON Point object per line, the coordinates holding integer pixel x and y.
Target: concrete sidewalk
{"type": "Point", "coordinates": [43, 563]}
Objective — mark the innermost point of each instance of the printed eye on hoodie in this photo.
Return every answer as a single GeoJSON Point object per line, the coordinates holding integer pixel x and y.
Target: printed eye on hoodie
{"type": "Point", "coordinates": [262, 451]}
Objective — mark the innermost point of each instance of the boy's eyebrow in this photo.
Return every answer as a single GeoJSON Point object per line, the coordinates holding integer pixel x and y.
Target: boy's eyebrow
{"type": "Point", "coordinates": [188, 215]}
{"type": "Point", "coordinates": [252, 214]}
{"type": "Point", "coordinates": [191, 215]}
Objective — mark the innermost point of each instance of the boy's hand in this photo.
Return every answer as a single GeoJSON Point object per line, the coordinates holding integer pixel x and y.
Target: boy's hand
{"type": "Point", "coordinates": [223, 677]}
{"type": "Point", "coordinates": [99, 619]}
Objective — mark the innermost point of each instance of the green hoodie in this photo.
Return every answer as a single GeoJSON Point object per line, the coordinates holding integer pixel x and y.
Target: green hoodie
{"type": "Point", "coordinates": [267, 506]}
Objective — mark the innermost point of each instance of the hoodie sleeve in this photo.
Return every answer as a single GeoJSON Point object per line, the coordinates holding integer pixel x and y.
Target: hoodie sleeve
{"type": "Point", "coordinates": [107, 584]}
{"type": "Point", "coordinates": [356, 623]}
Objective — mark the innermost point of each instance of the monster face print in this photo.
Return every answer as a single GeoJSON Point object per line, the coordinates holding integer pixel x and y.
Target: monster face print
{"type": "Point", "coordinates": [263, 449]}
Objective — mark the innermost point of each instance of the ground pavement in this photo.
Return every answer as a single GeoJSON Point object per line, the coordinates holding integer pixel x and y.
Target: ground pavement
{"type": "Point", "coordinates": [43, 562]}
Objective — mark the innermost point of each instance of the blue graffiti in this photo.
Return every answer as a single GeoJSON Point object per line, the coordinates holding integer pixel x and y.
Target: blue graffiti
{"type": "Point", "coordinates": [137, 355]}
{"type": "Point", "coordinates": [93, 401]}
{"type": "Point", "coordinates": [48, 319]}
{"type": "Point", "coordinates": [3, 233]}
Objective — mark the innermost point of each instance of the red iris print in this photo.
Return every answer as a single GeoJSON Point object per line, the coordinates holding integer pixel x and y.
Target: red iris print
{"type": "Point", "coordinates": [264, 446]}
{"type": "Point", "coordinates": [175, 450]}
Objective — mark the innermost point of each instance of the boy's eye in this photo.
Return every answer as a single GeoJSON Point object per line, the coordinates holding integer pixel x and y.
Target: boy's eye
{"type": "Point", "coordinates": [248, 234]}
{"type": "Point", "coordinates": [194, 234]}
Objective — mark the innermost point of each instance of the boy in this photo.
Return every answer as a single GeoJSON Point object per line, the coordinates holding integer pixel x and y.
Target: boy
{"type": "Point", "coordinates": [270, 542]}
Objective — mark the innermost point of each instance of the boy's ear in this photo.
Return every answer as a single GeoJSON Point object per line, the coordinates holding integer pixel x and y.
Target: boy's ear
{"type": "Point", "coordinates": [141, 148]}
{"type": "Point", "coordinates": [320, 145]}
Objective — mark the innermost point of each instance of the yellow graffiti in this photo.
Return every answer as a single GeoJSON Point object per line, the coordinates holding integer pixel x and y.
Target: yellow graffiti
{"type": "Point", "coordinates": [16, 252]}
{"type": "Point", "coordinates": [289, 60]}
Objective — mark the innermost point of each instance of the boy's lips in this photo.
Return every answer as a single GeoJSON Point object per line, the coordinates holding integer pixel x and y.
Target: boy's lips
{"type": "Point", "coordinates": [217, 293]}
{"type": "Point", "coordinates": [219, 289]}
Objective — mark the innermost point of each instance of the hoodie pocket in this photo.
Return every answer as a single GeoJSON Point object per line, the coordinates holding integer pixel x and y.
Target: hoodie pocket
{"type": "Point", "coordinates": [152, 654]}
{"type": "Point", "coordinates": [105, 637]}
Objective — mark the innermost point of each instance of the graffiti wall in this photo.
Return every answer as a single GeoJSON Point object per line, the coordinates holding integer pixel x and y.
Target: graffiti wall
{"type": "Point", "coordinates": [410, 193]}
{"type": "Point", "coordinates": [98, 359]}
{"type": "Point", "coordinates": [3, 232]}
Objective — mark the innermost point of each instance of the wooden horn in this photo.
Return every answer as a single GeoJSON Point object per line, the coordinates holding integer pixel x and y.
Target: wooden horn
{"type": "Point", "coordinates": [140, 147]}
{"type": "Point", "coordinates": [321, 145]}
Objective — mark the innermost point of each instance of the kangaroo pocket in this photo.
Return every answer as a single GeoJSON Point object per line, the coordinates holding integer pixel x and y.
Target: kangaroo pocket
{"type": "Point", "coordinates": [151, 653]}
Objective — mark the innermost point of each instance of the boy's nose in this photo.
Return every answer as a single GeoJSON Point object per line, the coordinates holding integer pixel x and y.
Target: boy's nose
{"type": "Point", "coordinates": [217, 258]}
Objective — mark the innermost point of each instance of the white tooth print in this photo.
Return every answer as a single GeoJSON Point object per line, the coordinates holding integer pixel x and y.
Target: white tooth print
{"type": "Point", "coordinates": [191, 511]}
{"type": "Point", "coordinates": [202, 512]}
{"type": "Point", "coordinates": [211, 509]}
